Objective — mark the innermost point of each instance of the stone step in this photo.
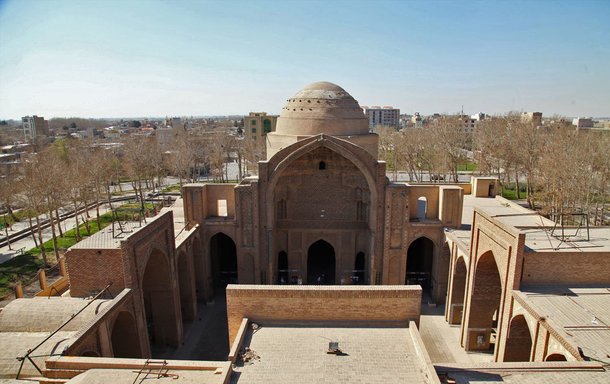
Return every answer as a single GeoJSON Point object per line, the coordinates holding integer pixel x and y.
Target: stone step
{"type": "Point", "coordinates": [62, 373]}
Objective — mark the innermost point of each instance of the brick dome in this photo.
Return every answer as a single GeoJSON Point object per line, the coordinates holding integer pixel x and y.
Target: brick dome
{"type": "Point", "coordinates": [322, 107]}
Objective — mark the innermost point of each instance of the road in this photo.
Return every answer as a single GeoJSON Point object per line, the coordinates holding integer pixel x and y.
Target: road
{"type": "Point", "coordinates": [20, 232]}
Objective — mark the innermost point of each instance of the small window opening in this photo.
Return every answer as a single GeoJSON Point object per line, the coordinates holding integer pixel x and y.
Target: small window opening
{"type": "Point", "coordinates": [322, 165]}
{"type": "Point", "coordinates": [422, 207]}
{"type": "Point", "coordinates": [222, 208]}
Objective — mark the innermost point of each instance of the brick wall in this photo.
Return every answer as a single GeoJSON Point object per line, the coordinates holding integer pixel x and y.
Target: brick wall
{"type": "Point", "coordinates": [566, 268]}
{"type": "Point", "coordinates": [322, 304]}
{"type": "Point", "coordinates": [90, 270]}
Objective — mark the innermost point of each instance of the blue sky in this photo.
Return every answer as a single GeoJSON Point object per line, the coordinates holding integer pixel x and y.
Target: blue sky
{"type": "Point", "coordinates": [155, 58]}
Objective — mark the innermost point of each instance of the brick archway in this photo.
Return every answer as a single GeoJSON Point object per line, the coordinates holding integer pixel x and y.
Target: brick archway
{"type": "Point", "coordinates": [519, 340]}
{"type": "Point", "coordinates": [124, 336]}
{"type": "Point", "coordinates": [159, 301]}
{"type": "Point", "coordinates": [487, 294]}
{"type": "Point", "coordinates": [420, 257]}
{"type": "Point", "coordinates": [321, 263]}
{"type": "Point", "coordinates": [223, 256]}
{"type": "Point", "coordinates": [555, 357]}
{"type": "Point", "coordinates": [458, 290]}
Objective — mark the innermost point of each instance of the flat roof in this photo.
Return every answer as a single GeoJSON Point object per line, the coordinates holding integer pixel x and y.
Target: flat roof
{"type": "Point", "coordinates": [130, 376]}
{"type": "Point", "coordinates": [539, 233]}
{"type": "Point", "coordinates": [109, 239]}
{"type": "Point", "coordinates": [298, 354]}
{"type": "Point", "coordinates": [461, 237]}
{"type": "Point", "coordinates": [523, 373]}
{"type": "Point", "coordinates": [16, 344]}
{"type": "Point", "coordinates": [548, 240]}
{"type": "Point", "coordinates": [26, 322]}
{"type": "Point", "coordinates": [582, 313]}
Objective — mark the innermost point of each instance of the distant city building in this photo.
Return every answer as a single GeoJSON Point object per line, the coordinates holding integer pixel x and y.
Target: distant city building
{"type": "Point", "coordinates": [387, 116]}
{"type": "Point", "coordinates": [417, 120]}
{"type": "Point", "coordinates": [34, 126]}
{"type": "Point", "coordinates": [258, 124]}
{"type": "Point", "coordinates": [173, 122]}
{"type": "Point", "coordinates": [469, 123]}
{"type": "Point", "coordinates": [583, 122]}
{"type": "Point", "coordinates": [164, 137]}
{"type": "Point", "coordinates": [479, 116]}
{"type": "Point", "coordinates": [535, 117]}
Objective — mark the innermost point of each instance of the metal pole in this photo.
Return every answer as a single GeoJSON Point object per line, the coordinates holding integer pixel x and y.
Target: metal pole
{"type": "Point", "coordinates": [29, 352]}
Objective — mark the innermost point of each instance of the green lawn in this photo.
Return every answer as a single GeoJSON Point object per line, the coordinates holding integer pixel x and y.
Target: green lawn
{"type": "Point", "coordinates": [21, 214]}
{"type": "Point", "coordinates": [510, 192]}
{"type": "Point", "coordinates": [172, 188]}
{"type": "Point", "coordinates": [468, 166]}
{"type": "Point", "coordinates": [24, 267]}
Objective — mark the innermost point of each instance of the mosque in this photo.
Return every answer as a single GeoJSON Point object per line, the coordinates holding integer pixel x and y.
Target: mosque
{"type": "Point", "coordinates": [322, 209]}
{"type": "Point", "coordinates": [325, 266]}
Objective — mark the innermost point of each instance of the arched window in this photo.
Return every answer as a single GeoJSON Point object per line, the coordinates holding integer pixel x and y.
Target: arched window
{"type": "Point", "coordinates": [422, 207]}
{"type": "Point", "coordinates": [322, 165]}
{"type": "Point", "coordinates": [359, 269]}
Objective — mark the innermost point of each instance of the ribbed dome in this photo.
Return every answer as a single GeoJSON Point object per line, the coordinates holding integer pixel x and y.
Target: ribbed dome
{"type": "Point", "coordinates": [322, 107]}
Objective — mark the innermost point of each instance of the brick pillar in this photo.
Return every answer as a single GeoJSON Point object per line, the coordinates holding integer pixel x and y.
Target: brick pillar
{"type": "Point", "coordinates": [18, 290]}
{"type": "Point", "coordinates": [62, 266]}
{"type": "Point", "coordinates": [42, 279]}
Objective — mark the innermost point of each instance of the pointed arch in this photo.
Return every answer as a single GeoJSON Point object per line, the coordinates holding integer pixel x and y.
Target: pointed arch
{"type": "Point", "coordinates": [485, 302]}
{"type": "Point", "coordinates": [285, 157]}
{"type": "Point", "coordinates": [159, 301]}
{"type": "Point", "coordinates": [223, 255]}
{"type": "Point", "coordinates": [124, 336]}
{"type": "Point", "coordinates": [458, 291]}
{"type": "Point", "coordinates": [519, 340]}
{"type": "Point", "coordinates": [556, 357]}
{"type": "Point", "coordinates": [420, 257]}
{"type": "Point", "coordinates": [321, 263]}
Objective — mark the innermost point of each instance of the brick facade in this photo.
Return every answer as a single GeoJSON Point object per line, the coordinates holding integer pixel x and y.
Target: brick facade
{"type": "Point", "coordinates": [338, 305]}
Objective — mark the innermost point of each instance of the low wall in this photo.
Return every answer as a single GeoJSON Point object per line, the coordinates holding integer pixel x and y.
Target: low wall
{"type": "Point", "coordinates": [329, 305]}
{"type": "Point", "coordinates": [543, 268]}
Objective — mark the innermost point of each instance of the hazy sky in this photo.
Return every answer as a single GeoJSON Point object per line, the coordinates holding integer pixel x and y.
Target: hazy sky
{"type": "Point", "coordinates": [124, 58]}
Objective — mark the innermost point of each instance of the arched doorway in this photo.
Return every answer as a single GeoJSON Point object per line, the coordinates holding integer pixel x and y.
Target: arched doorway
{"type": "Point", "coordinates": [519, 340]}
{"type": "Point", "coordinates": [556, 357]}
{"type": "Point", "coordinates": [223, 254]}
{"type": "Point", "coordinates": [187, 289]}
{"type": "Point", "coordinates": [485, 303]}
{"type": "Point", "coordinates": [359, 269]}
{"type": "Point", "coordinates": [419, 263]}
{"type": "Point", "coordinates": [321, 263]}
{"type": "Point", "coordinates": [282, 268]}
{"type": "Point", "coordinates": [124, 337]}
{"type": "Point", "coordinates": [458, 286]}
{"type": "Point", "coordinates": [159, 305]}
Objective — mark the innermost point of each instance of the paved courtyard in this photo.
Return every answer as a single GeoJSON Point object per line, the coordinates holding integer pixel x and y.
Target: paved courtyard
{"type": "Point", "coordinates": [443, 340]}
{"type": "Point", "coordinates": [206, 338]}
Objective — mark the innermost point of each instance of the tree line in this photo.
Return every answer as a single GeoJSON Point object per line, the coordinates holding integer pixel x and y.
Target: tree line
{"type": "Point", "coordinates": [554, 167]}
{"type": "Point", "coordinates": [78, 173]}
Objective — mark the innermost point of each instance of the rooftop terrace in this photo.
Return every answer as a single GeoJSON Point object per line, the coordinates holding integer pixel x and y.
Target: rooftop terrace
{"type": "Point", "coordinates": [298, 354]}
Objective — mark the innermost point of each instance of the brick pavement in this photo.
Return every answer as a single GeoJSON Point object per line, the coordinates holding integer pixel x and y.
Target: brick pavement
{"type": "Point", "coordinates": [443, 340]}
{"type": "Point", "coordinates": [297, 354]}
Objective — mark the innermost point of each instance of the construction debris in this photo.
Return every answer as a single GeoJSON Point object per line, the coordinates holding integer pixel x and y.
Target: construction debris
{"type": "Point", "coordinates": [248, 356]}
